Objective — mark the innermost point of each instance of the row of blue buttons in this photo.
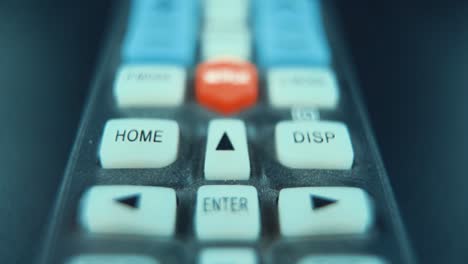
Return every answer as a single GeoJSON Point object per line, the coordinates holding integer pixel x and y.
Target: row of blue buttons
{"type": "Point", "coordinates": [288, 32]}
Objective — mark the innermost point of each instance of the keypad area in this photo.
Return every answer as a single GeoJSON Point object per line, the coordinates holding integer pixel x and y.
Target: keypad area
{"type": "Point", "coordinates": [224, 131]}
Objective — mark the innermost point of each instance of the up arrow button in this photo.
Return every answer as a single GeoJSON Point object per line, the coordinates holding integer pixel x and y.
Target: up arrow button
{"type": "Point", "coordinates": [227, 155]}
{"type": "Point", "coordinates": [225, 143]}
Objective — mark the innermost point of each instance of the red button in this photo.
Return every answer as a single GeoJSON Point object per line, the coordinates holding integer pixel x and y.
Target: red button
{"type": "Point", "coordinates": [226, 87]}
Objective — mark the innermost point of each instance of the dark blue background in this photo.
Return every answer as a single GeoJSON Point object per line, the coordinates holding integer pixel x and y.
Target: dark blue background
{"type": "Point", "coordinates": [411, 60]}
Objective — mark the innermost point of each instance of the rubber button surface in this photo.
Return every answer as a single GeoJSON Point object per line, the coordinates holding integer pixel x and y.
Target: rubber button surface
{"type": "Point", "coordinates": [108, 258]}
{"type": "Point", "coordinates": [227, 256]}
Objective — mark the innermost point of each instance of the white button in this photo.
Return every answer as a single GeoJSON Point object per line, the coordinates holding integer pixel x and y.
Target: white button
{"type": "Point", "coordinates": [342, 259]}
{"type": "Point", "coordinates": [114, 259]}
{"type": "Point", "coordinates": [217, 45]}
{"type": "Point", "coordinates": [308, 211]}
{"type": "Point", "coordinates": [139, 143]}
{"type": "Point", "coordinates": [312, 87]}
{"type": "Point", "coordinates": [226, 12]}
{"type": "Point", "coordinates": [149, 85]}
{"type": "Point", "coordinates": [227, 155]}
{"type": "Point", "coordinates": [227, 212]}
{"type": "Point", "coordinates": [227, 4]}
{"type": "Point", "coordinates": [227, 256]}
{"type": "Point", "coordinates": [314, 145]}
{"type": "Point", "coordinates": [123, 209]}
{"type": "Point", "coordinates": [227, 29]}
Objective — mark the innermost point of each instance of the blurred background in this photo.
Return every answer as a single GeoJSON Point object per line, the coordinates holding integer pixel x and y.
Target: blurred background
{"type": "Point", "coordinates": [411, 60]}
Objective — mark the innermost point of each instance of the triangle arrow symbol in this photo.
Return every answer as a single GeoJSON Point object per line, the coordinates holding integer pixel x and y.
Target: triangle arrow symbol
{"type": "Point", "coordinates": [132, 201]}
{"type": "Point", "coordinates": [319, 202]}
{"type": "Point", "coordinates": [225, 143]}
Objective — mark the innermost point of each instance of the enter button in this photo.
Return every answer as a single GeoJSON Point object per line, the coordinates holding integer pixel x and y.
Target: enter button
{"type": "Point", "coordinates": [314, 145]}
{"type": "Point", "coordinates": [227, 212]}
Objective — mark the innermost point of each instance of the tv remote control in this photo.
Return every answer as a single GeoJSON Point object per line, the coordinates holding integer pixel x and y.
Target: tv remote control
{"type": "Point", "coordinates": [222, 131]}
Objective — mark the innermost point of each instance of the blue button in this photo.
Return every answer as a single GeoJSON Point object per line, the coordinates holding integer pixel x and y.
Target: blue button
{"type": "Point", "coordinates": [153, 12]}
{"type": "Point", "coordinates": [283, 14]}
{"type": "Point", "coordinates": [162, 32]}
{"type": "Point", "coordinates": [294, 48]}
{"type": "Point", "coordinates": [290, 33]}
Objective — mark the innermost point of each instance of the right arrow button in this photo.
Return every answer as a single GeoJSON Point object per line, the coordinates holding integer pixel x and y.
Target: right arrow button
{"type": "Point", "coordinates": [309, 211]}
{"type": "Point", "coordinates": [318, 202]}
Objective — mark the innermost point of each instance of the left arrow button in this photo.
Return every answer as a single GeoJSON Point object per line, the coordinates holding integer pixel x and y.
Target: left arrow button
{"type": "Point", "coordinates": [132, 201]}
{"type": "Point", "coordinates": [129, 209]}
